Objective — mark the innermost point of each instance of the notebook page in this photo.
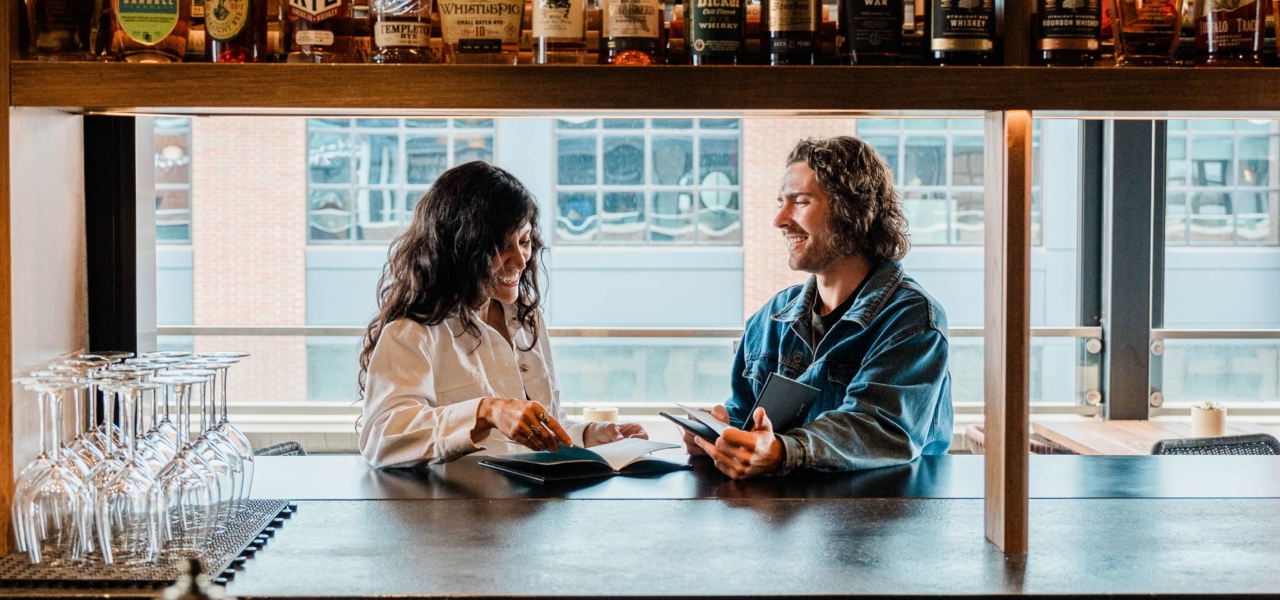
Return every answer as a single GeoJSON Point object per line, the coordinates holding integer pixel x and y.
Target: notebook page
{"type": "Point", "coordinates": [706, 418]}
{"type": "Point", "coordinates": [624, 452]}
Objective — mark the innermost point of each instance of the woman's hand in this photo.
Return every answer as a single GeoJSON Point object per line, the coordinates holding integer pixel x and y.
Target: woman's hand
{"type": "Point", "coordinates": [604, 433]}
{"type": "Point", "coordinates": [525, 422]}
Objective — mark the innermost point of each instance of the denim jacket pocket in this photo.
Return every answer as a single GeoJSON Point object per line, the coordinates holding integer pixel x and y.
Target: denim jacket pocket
{"type": "Point", "coordinates": [841, 371]}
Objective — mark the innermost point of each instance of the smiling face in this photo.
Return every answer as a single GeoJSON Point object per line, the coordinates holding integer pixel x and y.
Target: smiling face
{"type": "Point", "coordinates": [509, 265]}
{"type": "Point", "coordinates": [804, 219]}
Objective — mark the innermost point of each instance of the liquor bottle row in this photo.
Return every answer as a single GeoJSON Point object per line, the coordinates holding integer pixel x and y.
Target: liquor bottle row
{"type": "Point", "coordinates": [644, 32]}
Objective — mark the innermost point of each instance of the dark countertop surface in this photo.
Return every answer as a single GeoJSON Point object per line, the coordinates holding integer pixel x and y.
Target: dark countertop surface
{"type": "Point", "coordinates": [349, 477]}
{"type": "Point", "coordinates": [733, 548]}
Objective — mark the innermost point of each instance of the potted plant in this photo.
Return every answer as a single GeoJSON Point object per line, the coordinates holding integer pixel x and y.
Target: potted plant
{"type": "Point", "coordinates": [1208, 419]}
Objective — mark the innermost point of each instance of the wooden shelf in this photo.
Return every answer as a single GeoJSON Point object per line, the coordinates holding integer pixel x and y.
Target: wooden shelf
{"type": "Point", "coordinates": [317, 89]}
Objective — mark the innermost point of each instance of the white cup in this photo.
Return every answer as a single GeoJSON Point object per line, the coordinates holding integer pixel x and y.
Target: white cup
{"type": "Point", "coordinates": [600, 414]}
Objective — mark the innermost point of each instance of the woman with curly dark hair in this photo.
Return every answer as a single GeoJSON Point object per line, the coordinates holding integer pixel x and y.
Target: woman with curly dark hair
{"type": "Point", "coordinates": [458, 352]}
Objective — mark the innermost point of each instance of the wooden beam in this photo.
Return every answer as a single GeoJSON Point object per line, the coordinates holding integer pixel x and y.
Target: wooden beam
{"type": "Point", "coordinates": [1007, 302]}
{"type": "Point", "coordinates": [8, 52]}
{"type": "Point", "coordinates": [1017, 29]}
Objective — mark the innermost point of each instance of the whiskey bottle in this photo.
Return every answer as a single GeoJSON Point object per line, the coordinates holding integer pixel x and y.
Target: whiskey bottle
{"type": "Point", "coordinates": [319, 31]}
{"type": "Point", "coordinates": [872, 31]}
{"type": "Point", "coordinates": [401, 31]}
{"type": "Point", "coordinates": [631, 32]}
{"type": "Point", "coordinates": [61, 29]}
{"type": "Point", "coordinates": [963, 32]}
{"type": "Point", "coordinates": [1229, 33]}
{"type": "Point", "coordinates": [1146, 31]}
{"type": "Point", "coordinates": [150, 30]}
{"type": "Point", "coordinates": [481, 31]}
{"type": "Point", "coordinates": [235, 31]}
{"type": "Point", "coordinates": [790, 31]}
{"type": "Point", "coordinates": [1069, 32]}
{"type": "Point", "coordinates": [715, 31]}
{"type": "Point", "coordinates": [559, 31]}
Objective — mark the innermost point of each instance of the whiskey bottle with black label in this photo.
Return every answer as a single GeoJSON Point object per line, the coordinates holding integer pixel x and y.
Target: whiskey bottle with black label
{"type": "Point", "coordinates": [235, 31]}
{"type": "Point", "coordinates": [962, 32]}
{"type": "Point", "coordinates": [631, 31]}
{"type": "Point", "coordinates": [872, 31]}
{"type": "Point", "coordinates": [401, 31]}
{"type": "Point", "coordinates": [319, 31]}
{"type": "Point", "coordinates": [1068, 32]}
{"type": "Point", "coordinates": [715, 31]}
{"type": "Point", "coordinates": [790, 31]}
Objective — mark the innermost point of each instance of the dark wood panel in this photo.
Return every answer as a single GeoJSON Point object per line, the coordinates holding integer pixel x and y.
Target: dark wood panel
{"type": "Point", "coordinates": [8, 47]}
{"type": "Point", "coordinates": [317, 88]}
{"type": "Point", "coordinates": [763, 548]}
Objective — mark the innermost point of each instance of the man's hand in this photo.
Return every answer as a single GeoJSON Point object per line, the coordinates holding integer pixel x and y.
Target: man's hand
{"type": "Point", "coordinates": [689, 446]}
{"type": "Point", "coordinates": [742, 454]}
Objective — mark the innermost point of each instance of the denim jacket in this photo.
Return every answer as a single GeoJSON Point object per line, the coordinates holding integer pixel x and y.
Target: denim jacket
{"type": "Point", "coordinates": [882, 370]}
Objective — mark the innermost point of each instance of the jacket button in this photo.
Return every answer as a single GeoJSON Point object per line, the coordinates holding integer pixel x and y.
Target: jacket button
{"type": "Point", "coordinates": [797, 358]}
{"type": "Point", "coordinates": [524, 368]}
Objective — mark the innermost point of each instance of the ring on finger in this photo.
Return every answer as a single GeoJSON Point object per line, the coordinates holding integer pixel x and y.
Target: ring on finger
{"type": "Point", "coordinates": [535, 432]}
{"type": "Point", "coordinates": [543, 418]}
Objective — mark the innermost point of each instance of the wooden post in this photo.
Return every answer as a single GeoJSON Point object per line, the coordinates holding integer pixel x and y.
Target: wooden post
{"type": "Point", "coordinates": [8, 51]}
{"type": "Point", "coordinates": [1007, 302]}
{"type": "Point", "coordinates": [1016, 27]}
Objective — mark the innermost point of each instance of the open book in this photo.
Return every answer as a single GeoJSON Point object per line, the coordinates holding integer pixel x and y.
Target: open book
{"type": "Point", "coordinates": [623, 457]}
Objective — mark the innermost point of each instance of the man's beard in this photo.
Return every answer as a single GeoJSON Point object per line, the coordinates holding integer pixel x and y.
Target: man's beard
{"type": "Point", "coordinates": [819, 253]}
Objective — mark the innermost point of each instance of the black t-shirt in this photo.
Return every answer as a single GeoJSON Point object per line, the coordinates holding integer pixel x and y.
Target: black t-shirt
{"type": "Point", "coordinates": [821, 324]}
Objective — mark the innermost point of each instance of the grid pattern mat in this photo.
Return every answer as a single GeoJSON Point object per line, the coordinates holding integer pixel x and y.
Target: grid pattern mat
{"type": "Point", "coordinates": [221, 549]}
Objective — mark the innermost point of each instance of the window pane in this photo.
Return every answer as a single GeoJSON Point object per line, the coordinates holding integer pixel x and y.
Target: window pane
{"type": "Point", "coordinates": [1211, 161]}
{"type": "Point", "coordinates": [1177, 153]}
{"type": "Point", "coordinates": [467, 148]}
{"type": "Point", "coordinates": [878, 124]}
{"type": "Point", "coordinates": [672, 123]}
{"type": "Point", "coordinates": [927, 214]}
{"type": "Point", "coordinates": [426, 123]}
{"type": "Point", "coordinates": [1175, 218]}
{"type": "Point", "coordinates": [173, 215]}
{"type": "Point", "coordinates": [924, 124]}
{"type": "Point", "coordinates": [624, 123]}
{"type": "Point", "coordinates": [329, 158]}
{"type": "Point", "coordinates": [966, 165]}
{"type": "Point", "coordinates": [379, 214]}
{"type": "Point", "coordinates": [924, 161]}
{"type": "Point", "coordinates": [576, 220]}
{"type": "Point", "coordinates": [672, 161]}
{"type": "Point", "coordinates": [411, 199]}
{"type": "Point", "coordinates": [425, 158]}
{"type": "Point", "coordinates": [1253, 217]}
{"type": "Point", "coordinates": [623, 217]}
{"type": "Point", "coordinates": [1212, 125]}
{"type": "Point", "coordinates": [968, 213]}
{"type": "Point", "coordinates": [623, 160]}
{"type": "Point", "coordinates": [576, 161]}
{"type": "Point", "coordinates": [1255, 161]}
{"type": "Point", "coordinates": [1211, 219]}
{"type": "Point", "coordinates": [719, 217]}
{"type": "Point", "coordinates": [575, 123]}
{"type": "Point", "coordinates": [1037, 202]}
{"type": "Point", "coordinates": [376, 158]}
{"type": "Point", "coordinates": [473, 123]}
{"type": "Point", "coordinates": [719, 161]}
{"type": "Point", "coordinates": [888, 149]}
{"type": "Point", "coordinates": [978, 124]}
{"type": "Point", "coordinates": [718, 123]}
{"type": "Point", "coordinates": [330, 214]}
{"type": "Point", "coordinates": [324, 123]}
{"type": "Point", "coordinates": [379, 123]}
{"type": "Point", "coordinates": [673, 217]}
{"type": "Point", "coordinates": [173, 159]}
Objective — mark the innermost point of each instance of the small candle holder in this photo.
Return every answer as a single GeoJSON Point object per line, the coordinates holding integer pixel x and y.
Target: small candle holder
{"type": "Point", "coordinates": [1208, 419]}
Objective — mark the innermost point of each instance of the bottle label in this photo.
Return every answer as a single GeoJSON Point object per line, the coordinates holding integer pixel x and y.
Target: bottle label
{"type": "Point", "coordinates": [197, 9]}
{"type": "Point", "coordinates": [401, 33]}
{"type": "Point", "coordinates": [476, 21]}
{"type": "Point", "coordinates": [646, 45]}
{"type": "Point", "coordinates": [632, 19]}
{"type": "Point", "coordinates": [1229, 26]}
{"type": "Point", "coordinates": [317, 10]}
{"type": "Point", "coordinates": [794, 15]}
{"type": "Point", "coordinates": [313, 37]}
{"type": "Point", "coordinates": [226, 18]}
{"type": "Point", "coordinates": [716, 27]}
{"type": "Point", "coordinates": [963, 25]}
{"type": "Point", "coordinates": [559, 19]}
{"type": "Point", "coordinates": [874, 25]}
{"type": "Point", "coordinates": [147, 21]}
{"type": "Point", "coordinates": [1078, 21]}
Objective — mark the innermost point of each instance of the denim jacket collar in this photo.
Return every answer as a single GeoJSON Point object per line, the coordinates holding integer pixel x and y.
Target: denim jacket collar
{"type": "Point", "coordinates": [881, 283]}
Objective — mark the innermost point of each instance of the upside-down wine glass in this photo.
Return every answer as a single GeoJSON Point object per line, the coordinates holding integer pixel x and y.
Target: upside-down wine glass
{"type": "Point", "coordinates": [190, 494]}
{"type": "Point", "coordinates": [51, 509]}
{"type": "Point", "coordinates": [229, 431]}
{"type": "Point", "coordinates": [129, 509]}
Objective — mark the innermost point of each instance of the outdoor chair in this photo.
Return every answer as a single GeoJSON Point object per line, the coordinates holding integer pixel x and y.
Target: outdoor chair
{"type": "Point", "coordinates": [281, 449]}
{"type": "Point", "coordinates": [1255, 443]}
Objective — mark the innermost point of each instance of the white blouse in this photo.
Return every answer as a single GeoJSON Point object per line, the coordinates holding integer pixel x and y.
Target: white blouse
{"type": "Point", "coordinates": [424, 385]}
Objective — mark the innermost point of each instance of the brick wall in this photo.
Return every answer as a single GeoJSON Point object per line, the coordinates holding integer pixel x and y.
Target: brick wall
{"type": "Point", "coordinates": [248, 243]}
{"type": "Point", "coordinates": [766, 144]}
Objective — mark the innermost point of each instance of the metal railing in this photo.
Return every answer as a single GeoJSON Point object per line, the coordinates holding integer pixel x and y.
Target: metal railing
{"type": "Point", "coordinates": [585, 332]}
{"type": "Point", "coordinates": [1215, 334]}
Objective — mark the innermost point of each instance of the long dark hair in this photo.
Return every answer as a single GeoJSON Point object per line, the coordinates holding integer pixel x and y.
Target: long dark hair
{"type": "Point", "coordinates": [442, 265]}
{"type": "Point", "coordinates": [866, 214]}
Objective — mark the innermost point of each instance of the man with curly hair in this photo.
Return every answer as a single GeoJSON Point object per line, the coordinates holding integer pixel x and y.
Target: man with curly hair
{"type": "Point", "coordinates": [860, 330]}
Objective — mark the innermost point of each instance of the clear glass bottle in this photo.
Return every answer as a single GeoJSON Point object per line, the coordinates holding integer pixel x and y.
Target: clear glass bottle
{"type": "Point", "coordinates": [319, 31]}
{"type": "Point", "coordinates": [1146, 31]}
{"type": "Point", "coordinates": [150, 30]}
{"type": "Point", "coordinates": [61, 29]}
{"type": "Point", "coordinates": [401, 31]}
{"type": "Point", "coordinates": [631, 32]}
{"type": "Point", "coordinates": [236, 31]}
{"type": "Point", "coordinates": [559, 32]}
{"type": "Point", "coordinates": [1229, 32]}
{"type": "Point", "coordinates": [481, 31]}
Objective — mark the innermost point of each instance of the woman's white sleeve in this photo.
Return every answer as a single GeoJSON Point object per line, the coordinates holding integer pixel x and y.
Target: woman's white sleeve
{"type": "Point", "coordinates": [402, 424]}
